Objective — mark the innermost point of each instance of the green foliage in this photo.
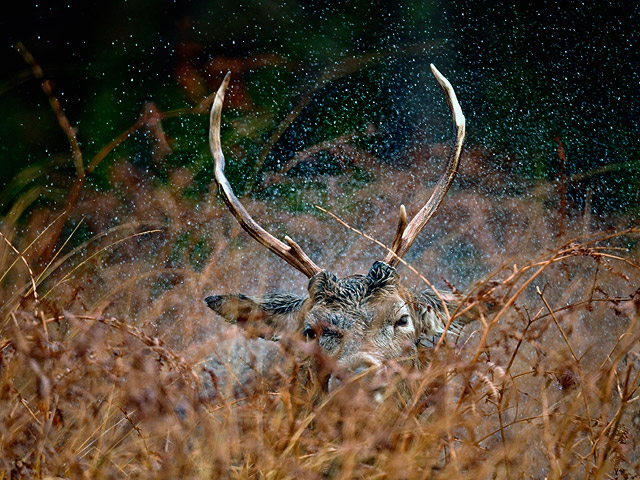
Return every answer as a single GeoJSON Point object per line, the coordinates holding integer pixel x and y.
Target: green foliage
{"type": "Point", "coordinates": [540, 74]}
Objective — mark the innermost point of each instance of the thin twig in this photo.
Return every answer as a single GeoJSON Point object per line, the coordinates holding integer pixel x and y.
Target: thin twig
{"type": "Point", "coordinates": [379, 243]}
{"type": "Point", "coordinates": [64, 279]}
{"type": "Point", "coordinates": [32, 276]}
{"type": "Point", "coordinates": [573, 354]}
{"type": "Point", "coordinates": [63, 121]}
{"type": "Point", "coordinates": [563, 186]}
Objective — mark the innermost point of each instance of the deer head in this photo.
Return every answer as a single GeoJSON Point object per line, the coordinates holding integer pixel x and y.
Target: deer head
{"type": "Point", "coordinates": [360, 321]}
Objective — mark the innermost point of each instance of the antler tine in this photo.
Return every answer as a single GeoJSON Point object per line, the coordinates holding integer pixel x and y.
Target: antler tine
{"type": "Point", "coordinates": [402, 224]}
{"type": "Point", "coordinates": [291, 253]}
{"type": "Point", "coordinates": [424, 215]}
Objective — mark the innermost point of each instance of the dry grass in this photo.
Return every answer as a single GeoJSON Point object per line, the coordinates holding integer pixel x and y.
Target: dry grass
{"type": "Point", "coordinates": [111, 366]}
{"type": "Point", "coordinates": [102, 368]}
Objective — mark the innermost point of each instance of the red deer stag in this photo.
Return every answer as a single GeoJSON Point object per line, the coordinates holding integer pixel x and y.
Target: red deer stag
{"type": "Point", "coordinates": [360, 321]}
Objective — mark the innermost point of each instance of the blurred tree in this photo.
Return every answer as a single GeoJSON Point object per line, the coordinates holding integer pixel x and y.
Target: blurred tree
{"type": "Point", "coordinates": [525, 74]}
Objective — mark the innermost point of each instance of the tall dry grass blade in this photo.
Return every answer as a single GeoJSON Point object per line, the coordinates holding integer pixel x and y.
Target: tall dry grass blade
{"type": "Point", "coordinates": [26, 264]}
{"type": "Point", "coordinates": [104, 300]}
{"type": "Point", "coordinates": [9, 222]}
{"type": "Point", "coordinates": [70, 273]}
{"type": "Point", "coordinates": [54, 267]}
{"type": "Point", "coordinates": [104, 152]}
{"type": "Point", "coordinates": [44, 272]}
{"type": "Point", "coordinates": [62, 260]}
{"type": "Point", "coordinates": [7, 305]}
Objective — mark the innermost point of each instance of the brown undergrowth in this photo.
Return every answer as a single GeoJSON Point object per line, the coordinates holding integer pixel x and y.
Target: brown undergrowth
{"type": "Point", "coordinates": [111, 365]}
{"type": "Point", "coordinates": [104, 373]}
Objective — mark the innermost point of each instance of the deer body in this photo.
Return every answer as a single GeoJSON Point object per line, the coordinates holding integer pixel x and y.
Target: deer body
{"type": "Point", "coordinates": [360, 322]}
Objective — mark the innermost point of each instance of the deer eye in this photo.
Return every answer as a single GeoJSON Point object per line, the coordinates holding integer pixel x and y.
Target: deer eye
{"type": "Point", "coordinates": [403, 321]}
{"type": "Point", "coordinates": [309, 332]}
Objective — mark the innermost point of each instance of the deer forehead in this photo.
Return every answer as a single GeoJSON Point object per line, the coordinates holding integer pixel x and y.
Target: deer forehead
{"type": "Point", "coordinates": [359, 313]}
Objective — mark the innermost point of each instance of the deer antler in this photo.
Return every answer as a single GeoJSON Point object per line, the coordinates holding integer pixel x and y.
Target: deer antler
{"type": "Point", "coordinates": [402, 244]}
{"type": "Point", "coordinates": [291, 253]}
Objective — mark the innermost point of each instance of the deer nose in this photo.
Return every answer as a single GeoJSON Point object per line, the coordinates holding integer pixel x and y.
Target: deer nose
{"type": "Point", "coordinates": [363, 365]}
{"type": "Point", "coordinates": [358, 364]}
{"type": "Point", "coordinates": [334, 382]}
{"type": "Point", "coordinates": [365, 370]}
{"type": "Point", "coordinates": [363, 362]}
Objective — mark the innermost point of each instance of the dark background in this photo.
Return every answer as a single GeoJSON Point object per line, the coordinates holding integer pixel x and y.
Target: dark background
{"type": "Point", "coordinates": [526, 75]}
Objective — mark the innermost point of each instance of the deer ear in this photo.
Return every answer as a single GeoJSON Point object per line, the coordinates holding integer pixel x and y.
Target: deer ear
{"type": "Point", "coordinates": [235, 308]}
{"type": "Point", "coordinates": [431, 316]}
{"type": "Point", "coordinates": [381, 275]}
{"type": "Point", "coordinates": [277, 311]}
{"type": "Point", "coordinates": [321, 284]}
